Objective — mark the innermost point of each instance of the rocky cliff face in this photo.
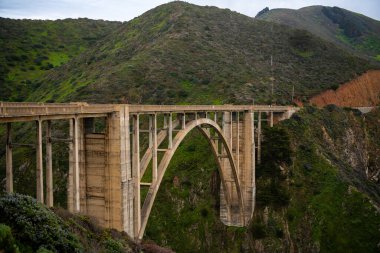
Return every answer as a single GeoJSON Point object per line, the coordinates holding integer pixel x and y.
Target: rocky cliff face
{"type": "Point", "coordinates": [362, 91]}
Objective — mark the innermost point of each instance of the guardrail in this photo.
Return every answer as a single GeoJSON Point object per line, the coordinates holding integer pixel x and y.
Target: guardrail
{"type": "Point", "coordinates": [14, 109]}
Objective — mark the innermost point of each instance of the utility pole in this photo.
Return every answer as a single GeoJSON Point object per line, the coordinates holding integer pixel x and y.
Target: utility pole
{"type": "Point", "coordinates": [293, 93]}
{"type": "Point", "coordinates": [271, 78]}
{"type": "Point", "coordinates": [271, 69]}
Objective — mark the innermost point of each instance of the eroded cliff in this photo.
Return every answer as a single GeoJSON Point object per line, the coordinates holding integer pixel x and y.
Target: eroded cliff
{"type": "Point", "coordinates": [362, 91]}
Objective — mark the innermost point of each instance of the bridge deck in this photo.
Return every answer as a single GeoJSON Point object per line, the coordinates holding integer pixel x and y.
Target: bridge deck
{"type": "Point", "coordinates": [12, 112]}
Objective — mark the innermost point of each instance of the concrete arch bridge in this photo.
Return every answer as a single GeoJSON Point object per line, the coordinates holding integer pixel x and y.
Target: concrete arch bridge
{"type": "Point", "coordinates": [106, 167]}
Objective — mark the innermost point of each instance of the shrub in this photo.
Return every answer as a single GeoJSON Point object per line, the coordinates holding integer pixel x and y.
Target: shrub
{"type": "Point", "coordinates": [279, 233]}
{"type": "Point", "coordinates": [258, 230]}
{"type": "Point", "coordinates": [13, 58]}
{"type": "Point", "coordinates": [7, 242]}
{"type": "Point", "coordinates": [334, 87]}
{"type": "Point", "coordinates": [39, 59]}
{"type": "Point", "coordinates": [113, 246]}
{"type": "Point", "coordinates": [43, 250]}
{"type": "Point", "coordinates": [35, 225]}
{"type": "Point", "coordinates": [182, 94]}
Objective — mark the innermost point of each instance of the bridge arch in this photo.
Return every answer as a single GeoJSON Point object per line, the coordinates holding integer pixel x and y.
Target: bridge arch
{"type": "Point", "coordinates": [165, 161]}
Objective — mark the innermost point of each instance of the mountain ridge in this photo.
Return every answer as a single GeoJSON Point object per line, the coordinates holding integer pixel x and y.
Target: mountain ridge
{"type": "Point", "coordinates": [349, 30]}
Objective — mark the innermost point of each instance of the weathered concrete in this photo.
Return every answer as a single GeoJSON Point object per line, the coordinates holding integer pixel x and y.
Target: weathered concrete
{"type": "Point", "coordinates": [49, 166]}
{"type": "Point", "coordinates": [105, 169]}
{"type": "Point", "coordinates": [39, 162]}
{"type": "Point", "coordinates": [9, 161]}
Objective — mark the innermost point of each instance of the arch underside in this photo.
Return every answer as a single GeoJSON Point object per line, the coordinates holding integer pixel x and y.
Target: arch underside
{"type": "Point", "coordinates": [231, 187]}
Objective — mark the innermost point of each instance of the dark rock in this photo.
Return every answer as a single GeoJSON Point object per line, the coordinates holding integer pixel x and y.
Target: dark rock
{"type": "Point", "coordinates": [265, 10]}
{"type": "Point", "coordinates": [308, 167]}
{"type": "Point", "coordinates": [296, 117]}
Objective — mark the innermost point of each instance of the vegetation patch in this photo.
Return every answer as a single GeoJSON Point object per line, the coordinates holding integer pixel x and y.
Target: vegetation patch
{"type": "Point", "coordinates": [35, 226]}
{"type": "Point", "coordinates": [58, 58]}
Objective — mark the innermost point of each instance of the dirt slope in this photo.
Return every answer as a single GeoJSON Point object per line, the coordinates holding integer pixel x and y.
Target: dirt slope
{"type": "Point", "coordinates": [362, 91]}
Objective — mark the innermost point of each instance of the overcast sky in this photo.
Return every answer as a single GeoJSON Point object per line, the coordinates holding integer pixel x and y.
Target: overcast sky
{"type": "Point", "coordinates": [123, 10]}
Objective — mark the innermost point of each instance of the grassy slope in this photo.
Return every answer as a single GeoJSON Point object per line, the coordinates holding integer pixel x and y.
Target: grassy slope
{"type": "Point", "coordinates": [182, 53]}
{"type": "Point", "coordinates": [31, 47]}
{"type": "Point", "coordinates": [354, 32]}
{"type": "Point", "coordinates": [324, 204]}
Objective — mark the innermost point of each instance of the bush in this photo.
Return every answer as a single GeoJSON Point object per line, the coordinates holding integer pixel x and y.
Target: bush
{"type": "Point", "coordinates": [258, 230]}
{"type": "Point", "coordinates": [183, 94]}
{"type": "Point", "coordinates": [7, 242]}
{"type": "Point", "coordinates": [35, 225]}
{"type": "Point", "coordinates": [39, 59]}
{"type": "Point", "coordinates": [113, 246]}
{"type": "Point", "coordinates": [334, 87]}
{"type": "Point", "coordinates": [43, 250]}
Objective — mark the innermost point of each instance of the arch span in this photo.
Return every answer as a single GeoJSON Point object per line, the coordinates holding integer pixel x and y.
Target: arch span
{"type": "Point", "coordinates": [164, 163]}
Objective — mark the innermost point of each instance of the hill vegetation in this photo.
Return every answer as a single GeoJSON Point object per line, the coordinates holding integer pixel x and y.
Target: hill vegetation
{"type": "Point", "coordinates": [348, 30]}
{"type": "Point", "coordinates": [32, 47]}
{"type": "Point", "coordinates": [182, 53]}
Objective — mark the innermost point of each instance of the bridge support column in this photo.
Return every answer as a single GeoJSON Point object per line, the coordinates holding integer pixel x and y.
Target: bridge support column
{"type": "Point", "coordinates": [70, 181]}
{"type": "Point", "coordinates": [9, 161]}
{"type": "Point", "coordinates": [136, 175]}
{"type": "Point", "coordinates": [76, 169]}
{"type": "Point", "coordinates": [237, 141]}
{"type": "Point", "coordinates": [49, 166]}
{"type": "Point", "coordinates": [39, 161]}
{"type": "Point", "coordinates": [126, 173]}
{"type": "Point", "coordinates": [127, 179]}
{"type": "Point", "coordinates": [229, 215]}
{"type": "Point", "coordinates": [170, 131]}
{"type": "Point", "coordinates": [183, 120]}
{"type": "Point", "coordinates": [247, 174]}
{"type": "Point", "coordinates": [259, 138]}
{"type": "Point", "coordinates": [225, 214]}
{"type": "Point", "coordinates": [115, 169]}
{"type": "Point", "coordinates": [154, 148]}
{"type": "Point", "coordinates": [271, 119]}
{"type": "Point", "coordinates": [76, 161]}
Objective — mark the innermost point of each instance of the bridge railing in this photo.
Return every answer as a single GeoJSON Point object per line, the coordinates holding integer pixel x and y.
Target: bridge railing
{"type": "Point", "coordinates": [204, 108]}
{"type": "Point", "coordinates": [12, 109]}
{"type": "Point", "coordinates": [15, 109]}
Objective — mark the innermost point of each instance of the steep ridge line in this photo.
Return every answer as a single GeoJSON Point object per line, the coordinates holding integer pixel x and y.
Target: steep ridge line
{"type": "Point", "coordinates": [362, 91]}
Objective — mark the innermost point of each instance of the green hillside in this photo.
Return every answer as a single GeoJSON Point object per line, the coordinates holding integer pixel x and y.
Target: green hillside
{"type": "Point", "coordinates": [351, 31]}
{"type": "Point", "coordinates": [183, 53]}
{"type": "Point", "coordinates": [29, 48]}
